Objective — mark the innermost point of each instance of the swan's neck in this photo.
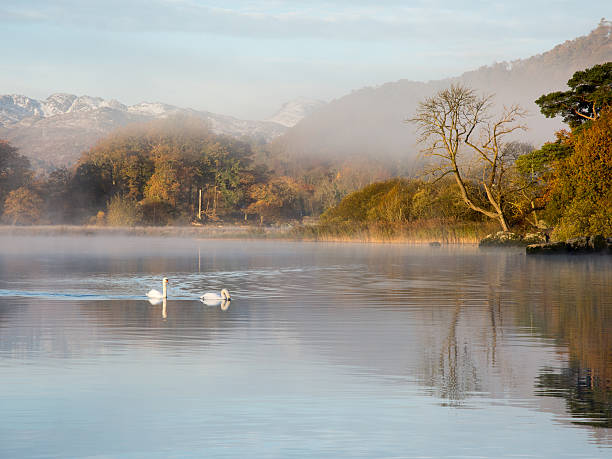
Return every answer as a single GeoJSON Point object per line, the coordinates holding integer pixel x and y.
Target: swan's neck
{"type": "Point", "coordinates": [164, 292]}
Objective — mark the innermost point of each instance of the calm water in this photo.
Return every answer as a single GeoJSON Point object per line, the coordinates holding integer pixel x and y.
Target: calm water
{"type": "Point", "coordinates": [327, 350]}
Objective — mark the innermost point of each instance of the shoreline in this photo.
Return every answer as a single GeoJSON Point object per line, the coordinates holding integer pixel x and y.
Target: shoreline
{"type": "Point", "coordinates": [231, 232]}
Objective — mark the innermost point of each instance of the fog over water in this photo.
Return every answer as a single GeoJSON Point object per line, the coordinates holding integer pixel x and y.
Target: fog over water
{"type": "Point", "coordinates": [334, 350]}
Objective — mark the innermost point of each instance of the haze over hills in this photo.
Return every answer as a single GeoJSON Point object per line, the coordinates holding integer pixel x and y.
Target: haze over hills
{"type": "Point", "coordinates": [292, 112]}
{"type": "Point", "coordinates": [370, 121]}
{"type": "Point", "coordinates": [55, 131]}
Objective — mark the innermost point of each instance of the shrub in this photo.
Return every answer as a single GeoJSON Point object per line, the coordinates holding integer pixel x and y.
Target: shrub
{"type": "Point", "coordinates": [122, 211]}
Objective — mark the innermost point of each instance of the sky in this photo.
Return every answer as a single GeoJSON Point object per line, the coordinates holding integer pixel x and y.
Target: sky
{"type": "Point", "coordinates": [245, 58]}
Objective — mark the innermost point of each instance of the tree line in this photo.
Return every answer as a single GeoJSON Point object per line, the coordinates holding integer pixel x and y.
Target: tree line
{"type": "Point", "coordinates": [173, 171]}
{"type": "Point", "coordinates": [176, 171]}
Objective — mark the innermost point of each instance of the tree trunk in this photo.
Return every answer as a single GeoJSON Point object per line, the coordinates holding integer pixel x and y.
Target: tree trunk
{"type": "Point", "coordinates": [502, 222]}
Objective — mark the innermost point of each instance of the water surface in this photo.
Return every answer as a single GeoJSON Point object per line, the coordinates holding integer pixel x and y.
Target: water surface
{"type": "Point", "coordinates": [326, 350]}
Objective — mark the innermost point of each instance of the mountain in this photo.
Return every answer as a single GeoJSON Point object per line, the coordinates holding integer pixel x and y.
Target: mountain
{"type": "Point", "coordinates": [292, 112]}
{"type": "Point", "coordinates": [370, 121]}
{"type": "Point", "coordinates": [55, 131]}
{"type": "Point", "coordinates": [16, 108]}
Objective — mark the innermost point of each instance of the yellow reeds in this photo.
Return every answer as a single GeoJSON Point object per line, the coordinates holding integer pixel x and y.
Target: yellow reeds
{"type": "Point", "coordinates": [420, 231]}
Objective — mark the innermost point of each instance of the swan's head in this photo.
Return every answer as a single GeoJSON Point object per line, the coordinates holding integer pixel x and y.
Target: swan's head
{"type": "Point", "coordinates": [225, 294]}
{"type": "Point", "coordinates": [165, 280]}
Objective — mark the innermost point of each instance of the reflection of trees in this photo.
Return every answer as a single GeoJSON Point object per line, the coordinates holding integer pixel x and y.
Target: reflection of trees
{"type": "Point", "coordinates": [457, 371]}
{"type": "Point", "coordinates": [574, 313]}
{"type": "Point", "coordinates": [586, 395]}
{"type": "Point", "coordinates": [460, 368]}
{"type": "Point", "coordinates": [455, 343]}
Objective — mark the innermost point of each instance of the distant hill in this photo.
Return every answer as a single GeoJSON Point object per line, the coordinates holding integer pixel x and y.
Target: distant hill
{"type": "Point", "coordinates": [55, 131]}
{"type": "Point", "coordinates": [370, 121]}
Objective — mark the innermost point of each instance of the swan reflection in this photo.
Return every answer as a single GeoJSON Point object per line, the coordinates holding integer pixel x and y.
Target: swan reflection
{"type": "Point", "coordinates": [223, 304]}
{"type": "Point", "coordinates": [156, 302]}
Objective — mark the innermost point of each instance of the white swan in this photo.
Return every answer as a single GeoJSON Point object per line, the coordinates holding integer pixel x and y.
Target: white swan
{"type": "Point", "coordinates": [215, 297]}
{"type": "Point", "coordinates": [156, 293]}
{"type": "Point", "coordinates": [224, 304]}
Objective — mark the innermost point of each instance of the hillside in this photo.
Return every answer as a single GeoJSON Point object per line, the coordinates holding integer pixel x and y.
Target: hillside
{"type": "Point", "coordinates": [370, 121]}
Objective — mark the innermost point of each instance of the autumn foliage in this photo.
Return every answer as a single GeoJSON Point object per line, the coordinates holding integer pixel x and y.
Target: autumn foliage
{"type": "Point", "coordinates": [23, 206]}
{"type": "Point", "coordinates": [581, 188]}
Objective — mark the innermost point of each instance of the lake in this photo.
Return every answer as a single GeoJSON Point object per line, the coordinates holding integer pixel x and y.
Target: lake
{"type": "Point", "coordinates": [326, 350]}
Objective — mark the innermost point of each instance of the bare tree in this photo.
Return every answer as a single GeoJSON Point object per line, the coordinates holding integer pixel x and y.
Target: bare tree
{"type": "Point", "coordinates": [456, 122]}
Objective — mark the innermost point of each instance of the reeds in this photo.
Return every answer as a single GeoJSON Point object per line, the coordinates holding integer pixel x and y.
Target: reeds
{"type": "Point", "coordinates": [420, 231]}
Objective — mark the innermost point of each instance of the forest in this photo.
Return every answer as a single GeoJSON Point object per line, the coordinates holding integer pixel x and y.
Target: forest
{"type": "Point", "coordinates": [177, 172]}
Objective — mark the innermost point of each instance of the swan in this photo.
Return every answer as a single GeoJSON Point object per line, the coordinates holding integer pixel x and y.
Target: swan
{"type": "Point", "coordinates": [214, 297]}
{"type": "Point", "coordinates": [224, 304]}
{"type": "Point", "coordinates": [157, 294]}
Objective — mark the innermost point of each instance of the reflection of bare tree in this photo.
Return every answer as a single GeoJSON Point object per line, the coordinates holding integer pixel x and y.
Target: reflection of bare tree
{"type": "Point", "coordinates": [469, 351]}
{"type": "Point", "coordinates": [449, 358]}
{"type": "Point", "coordinates": [458, 371]}
{"type": "Point", "coordinates": [493, 301]}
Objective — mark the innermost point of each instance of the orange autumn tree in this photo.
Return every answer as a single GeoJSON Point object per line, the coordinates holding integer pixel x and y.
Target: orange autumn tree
{"type": "Point", "coordinates": [23, 207]}
{"type": "Point", "coordinates": [15, 170]}
{"type": "Point", "coordinates": [275, 199]}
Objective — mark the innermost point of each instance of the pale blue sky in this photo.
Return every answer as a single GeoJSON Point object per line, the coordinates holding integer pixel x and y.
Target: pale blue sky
{"type": "Point", "coordinates": [245, 58]}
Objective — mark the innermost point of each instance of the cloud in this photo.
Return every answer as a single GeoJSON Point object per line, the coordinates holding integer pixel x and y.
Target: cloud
{"type": "Point", "coordinates": [338, 20]}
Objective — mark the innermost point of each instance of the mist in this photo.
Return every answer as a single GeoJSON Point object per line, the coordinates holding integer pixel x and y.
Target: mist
{"type": "Point", "coordinates": [371, 122]}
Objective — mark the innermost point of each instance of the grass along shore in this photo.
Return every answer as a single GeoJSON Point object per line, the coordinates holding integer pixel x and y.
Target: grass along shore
{"type": "Point", "coordinates": [415, 232]}
{"type": "Point", "coordinates": [207, 231]}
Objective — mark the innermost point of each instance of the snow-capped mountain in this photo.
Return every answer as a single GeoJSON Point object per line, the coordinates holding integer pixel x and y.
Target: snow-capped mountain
{"type": "Point", "coordinates": [292, 112]}
{"type": "Point", "coordinates": [16, 107]}
{"type": "Point", "coordinates": [58, 129]}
